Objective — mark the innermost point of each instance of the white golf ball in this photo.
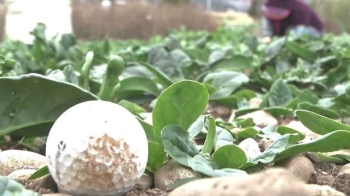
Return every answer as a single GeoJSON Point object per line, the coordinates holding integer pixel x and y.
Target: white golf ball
{"type": "Point", "coordinates": [97, 148]}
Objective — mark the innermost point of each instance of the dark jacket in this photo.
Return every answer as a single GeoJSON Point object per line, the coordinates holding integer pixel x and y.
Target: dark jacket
{"type": "Point", "coordinates": [300, 14]}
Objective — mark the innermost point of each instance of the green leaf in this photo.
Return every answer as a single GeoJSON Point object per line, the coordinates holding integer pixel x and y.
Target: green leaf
{"type": "Point", "coordinates": [21, 96]}
{"type": "Point", "coordinates": [223, 137]}
{"type": "Point", "coordinates": [331, 159]}
{"type": "Point", "coordinates": [177, 144]}
{"type": "Point", "coordinates": [301, 51]}
{"type": "Point", "coordinates": [200, 164]}
{"type": "Point", "coordinates": [319, 110]}
{"type": "Point", "coordinates": [225, 82]}
{"type": "Point", "coordinates": [279, 94]}
{"type": "Point", "coordinates": [156, 156]}
{"type": "Point", "coordinates": [319, 124]}
{"type": "Point", "coordinates": [9, 187]}
{"type": "Point", "coordinates": [229, 156]}
{"type": "Point", "coordinates": [327, 143]}
{"type": "Point", "coordinates": [136, 84]}
{"type": "Point", "coordinates": [235, 63]}
{"type": "Point", "coordinates": [209, 140]}
{"type": "Point", "coordinates": [278, 111]}
{"type": "Point", "coordinates": [286, 130]}
{"type": "Point", "coordinates": [196, 127]}
{"type": "Point", "coordinates": [40, 173]}
{"type": "Point", "coordinates": [249, 132]}
{"type": "Point", "coordinates": [132, 107]}
{"type": "Point", "coordinates": [243, 123]}
{"type": "Point", "coordinates": [180, 104]}
{"type": "Point", "coordinates": [163, 79]}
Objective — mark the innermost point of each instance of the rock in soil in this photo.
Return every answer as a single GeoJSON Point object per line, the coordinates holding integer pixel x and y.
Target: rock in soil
{"type": "Point", "coordinates": [170, 172]}
{"type": "Point", "coordinates": [299, 166]}
{"type": "Point", "coordinates": [11, 160]}
{"type": "Point", "coordinates": [276, 182]}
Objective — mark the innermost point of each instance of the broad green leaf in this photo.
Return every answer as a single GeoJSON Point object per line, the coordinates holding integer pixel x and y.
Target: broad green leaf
{"type": "Point", "coordinates": [200, 164]}
{"type": "Point", "coordinates": [40, 173]}
{"type": "Point", "coordinates": [243, 123]}
{"type": "Point", "coordinates": [9, 187]}
{"type": "Point", "coordinates": [156, 156]}
{"type": "Point", "coordinates": [319, 124]}
{"type": "Point", "coordinates": [225, 82]}
{"type": "Point", "coordinates": [34, 100]}
{"type": "Point", "coordinates": [249, 132]}
{"type": "Point", "coordinates": [326, 143]}
{"type": "Point", "coordinates": [229, 156]}
{"type": "Point", "coordinates": [209, 140]}
{"type": "Point", "coordinates": [279, 94]}
{"type": "Point", "coordinates": [229, 101]}
{"type": "Point", "coordinates": [243, 111]}
{"type": "Point", "coordinates": [177, 144]}
{"type": "Point", "coordinates": [319, 110]}
{"type": "Point", "coordinates": [308, 96]}
{"type": "Point", "coordinates": [180, 104]}
{"type": "Point", "coordinates": [136, 84]}
{"type": "Point", "coordinates": [301, 51]}
{"type": "Point", "coordinates": [223, 137]}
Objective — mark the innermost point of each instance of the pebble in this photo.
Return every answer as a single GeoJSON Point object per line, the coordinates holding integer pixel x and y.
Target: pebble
{"type": "Point", "coordinates": [11, 160]}
{"type": "Point", "coordinates": [299, 166]}
{"type": "Point", "coordinates": [170, 172]}
{"type": "Point", "coordinates": [250, 147]}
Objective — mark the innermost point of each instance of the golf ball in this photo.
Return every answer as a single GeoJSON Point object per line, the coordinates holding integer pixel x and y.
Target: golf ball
{"type": "Point", "coordinates": [96, 148]}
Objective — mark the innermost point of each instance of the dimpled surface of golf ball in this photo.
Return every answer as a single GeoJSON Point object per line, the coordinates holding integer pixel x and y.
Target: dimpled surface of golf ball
{"type": "Point", "coordinates": [96, 148]}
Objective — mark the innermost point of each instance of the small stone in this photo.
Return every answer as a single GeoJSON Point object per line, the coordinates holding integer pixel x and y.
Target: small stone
{"type": "Point", "coordinates": [11, 160]}
{"type": "Point", "coordinates": [261, 118]}
{"type": "Point", "coordinates": [255, 102]}
{"type": "Point", "coordinates": [323, 190]}
{"type": "Point", "coordinates": [250, 147]}
{"type": "Point", "coordinates": [223, 111]}
{"type": "Point", "coordinates": [299, 166]}
{"type": "Point", "coordinates": [56, 194]}
{"type": "Point", "coordinates": [275, 181]}
{"type": "Point", "coordinates": [170, 172]}
{"type": "Point", "coordinates": [344, 167]}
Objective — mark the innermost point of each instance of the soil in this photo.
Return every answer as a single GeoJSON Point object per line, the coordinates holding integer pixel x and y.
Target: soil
{"type": "Point", "coordinates": [325, 173]}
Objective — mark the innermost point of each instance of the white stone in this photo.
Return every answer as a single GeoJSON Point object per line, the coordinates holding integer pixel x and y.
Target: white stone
{"type": "Point", "coordinates": [11, 160]}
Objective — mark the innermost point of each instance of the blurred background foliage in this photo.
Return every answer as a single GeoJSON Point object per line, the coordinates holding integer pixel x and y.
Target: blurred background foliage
{"type": "Point", "coordinates": [143, 19]}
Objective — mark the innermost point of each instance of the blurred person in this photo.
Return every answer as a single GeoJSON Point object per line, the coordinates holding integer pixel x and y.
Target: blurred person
{"type": "Point", "coordinates": [282, 16]}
